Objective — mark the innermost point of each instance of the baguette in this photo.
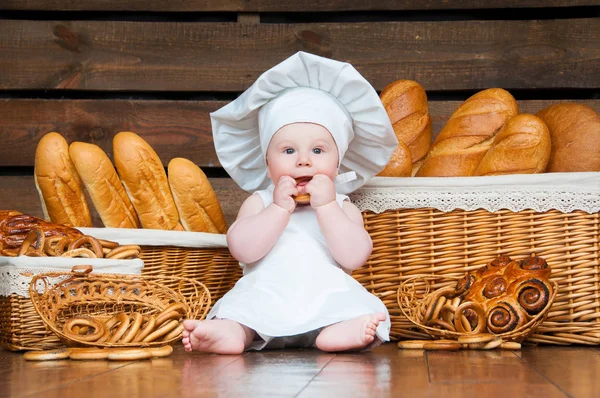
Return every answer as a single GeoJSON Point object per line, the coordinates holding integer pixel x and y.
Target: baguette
{"type": "Point", "coordinates": [468, 134]}
{"type": "Point", "coordinates": [575, 134]}
{"type": "Point", "coordinates": [58, 184]}
{"type": "Point", "coordinates": [145, 181]}
{"type": "Point", "coordinates": [400, 164]}
{"type": "Point", "coordinates": [405, 102]}
{"type": "Point", "coordinates": [521, 147]}
{"type": "Point", "coordinates": [103, 185]}
{"type": "Point", "coordinates": [197, 202]}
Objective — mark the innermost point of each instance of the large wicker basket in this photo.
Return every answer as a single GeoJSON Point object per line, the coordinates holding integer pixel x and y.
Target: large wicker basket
{"type": "Point", "coordinates": [103, 296]}
{"type": "Point", "coordinates": [412, 241]}
{"type": "Point", "coordinates": [200, 256]}
{"type": "Point", "coordinates": [21, 328]}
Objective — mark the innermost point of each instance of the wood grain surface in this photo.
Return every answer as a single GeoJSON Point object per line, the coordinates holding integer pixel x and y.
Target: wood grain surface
{"type": "Point", "coordinates": [281, 6]}
{"type": "Point", "coordinates": [173, 128]}
{"type": "Point", "coordinates": [160, 56]}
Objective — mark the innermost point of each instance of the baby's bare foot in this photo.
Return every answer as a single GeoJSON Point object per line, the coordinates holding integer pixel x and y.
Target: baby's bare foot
{"type": "Point", "coordinates": [217, 336]}
{"type": "Point", "coordinates": [353, 334]}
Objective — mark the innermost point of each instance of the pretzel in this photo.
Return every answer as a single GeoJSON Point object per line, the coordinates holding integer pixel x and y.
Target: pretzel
{"type": "Point", "coordinates": [161, 331]}
{"type": "Point", "coordinates": [174, 333]}
{"type": "Point", "coordinates": [122, 252]}
{"type": "Point", "coordinates": [81, 252]}
{"type": "Point", "coordinates": [476, 338]}
{"type": "Point", "coordinates": [92, 242]}
{"type": "Point", "coordinates": [412, 344]}
{"type": "Point", "coordinates": [35, 239]}
{"type": "Point", "coordinates": [150, 322]}
{"type": "Point", "coordinates": [442, 345]}
{"type": "Point", "coordinates": [121, 319]}
{"type": "Point", "coordinates": [129, 354]}
{"type": "Point", "coordinates": [88, 353]}
{"type": "Point", "coordinates": [479, 311]}
{"type": "Point", "coordinates": [171, 312]}
{"type": "Point", "coordinates": [47, 355]}
{"type": "Point", "coordinates": [136, 318]}
{"type": "Point", "coordinates": [98, 328]}
{"type": "Point", "coordinates": [108, 244]}
{"type": "Point", "coordinates": [56, 245]}
{"type": "Point", "coordinates": [160, 352]}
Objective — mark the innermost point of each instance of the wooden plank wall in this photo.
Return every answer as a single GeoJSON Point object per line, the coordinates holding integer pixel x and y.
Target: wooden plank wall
{"type": "Point", "coordinates": [91, 68]}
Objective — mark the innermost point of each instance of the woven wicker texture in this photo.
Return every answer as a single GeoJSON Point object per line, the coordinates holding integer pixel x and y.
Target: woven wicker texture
{"type": "Point", "coordinates": [414, 293]}
{"type": "Point", "coordinates": [214, 268]}
{"type": "Point", "coordinates": [105, 295]}
{"type": "Point", "coordinates": [21, 328]}
{"type": "Point", "coordinates": [409, 242]}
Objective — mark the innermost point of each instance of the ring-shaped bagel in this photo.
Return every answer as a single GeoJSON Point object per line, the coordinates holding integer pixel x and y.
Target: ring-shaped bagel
{"type": "Point", "coordinates": [91, 323]}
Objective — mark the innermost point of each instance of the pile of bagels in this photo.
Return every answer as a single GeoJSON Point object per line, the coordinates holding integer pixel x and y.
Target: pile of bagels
{"type": "Point", "coordinates": [488, 136]}
{"type": "Point", "coordinates": [135, 192]}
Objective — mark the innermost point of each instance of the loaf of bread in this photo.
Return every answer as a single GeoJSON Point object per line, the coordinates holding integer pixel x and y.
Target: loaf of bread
{"type": "Point", "coordinates": [468, 134]}
{"type": "Point", "coordinates": [197, 202]}
{"type": "Point", "coordinates": [575, 135]}
{"type": "Point", "coordinates": [405, 102]}
{"type": "Point", "coordinates": [521, 147]}
{"type": "Point", "coordinates": [103, 185]}
{"type": "Point", "coordinates": [400, 164]}
{"type": "Point", "coordinates": [145, 181]}
{"type": "Point", "coordinates": [58, 184]}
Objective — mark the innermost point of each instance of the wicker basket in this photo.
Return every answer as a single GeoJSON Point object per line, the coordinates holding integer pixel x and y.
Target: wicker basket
{"type": "Point", "coordinates": [21, 328]}
{"type": "Point", "coordinates": [104, 295]}
{"type": "Point", "coordinates": [415, 291]}
{"type": "Point", "coordinates": [200, 256]}
{"type": "Point", "coordinates": [412, 241]}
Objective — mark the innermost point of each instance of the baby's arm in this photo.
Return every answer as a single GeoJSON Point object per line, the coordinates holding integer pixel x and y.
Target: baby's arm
{"type": "Point", "coordinates": [343, 228]}
{"type": "Point", "coordinates": [256, 229]}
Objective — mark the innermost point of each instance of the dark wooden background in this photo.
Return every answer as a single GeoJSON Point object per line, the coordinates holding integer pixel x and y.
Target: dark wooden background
{"type": "Point", "coordinates": [91, 68]}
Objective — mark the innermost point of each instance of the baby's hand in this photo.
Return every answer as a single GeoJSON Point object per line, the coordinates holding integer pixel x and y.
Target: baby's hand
{"type": "Point", "coordinates": [321, 189]}
{"type": "Point", "coordinates": [284, 192]}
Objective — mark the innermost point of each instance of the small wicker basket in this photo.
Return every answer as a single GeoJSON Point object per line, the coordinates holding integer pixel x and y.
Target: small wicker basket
{"type": "Point", "coordinates": [104, 295]}
{"type": "Point", "coordinates": [414, 292]}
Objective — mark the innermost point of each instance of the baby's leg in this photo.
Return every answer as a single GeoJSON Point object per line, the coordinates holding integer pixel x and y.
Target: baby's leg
{"type": "Point", "coordinates": [353, 334]}
{"type": "Point", "coordinates": [220, 336]}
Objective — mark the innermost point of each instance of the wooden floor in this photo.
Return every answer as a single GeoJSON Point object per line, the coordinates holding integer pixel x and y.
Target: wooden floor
{"type": "Point", "coordinates": [386, 371]}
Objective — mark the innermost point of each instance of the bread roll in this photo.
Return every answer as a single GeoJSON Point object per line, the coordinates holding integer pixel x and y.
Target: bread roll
{"type": "Point", "coordinates": [58, 184]}
{"type": "Point", "coordinates": [400, 164]}
{"type": "Point", "coordinates": [575, 135]}
{"type": "Point", "coordinates": [468, 134]}
{"type": "Point", "coordinates": [521, 147]}
{"type": "Point", "coordinates": [145, 181]}
{"type": "Point", "coordinates": [103, 185]}
{"type": "Point", "coordinates": [197, 202]}
{"type": "Point", "coordinates": [405, 102]}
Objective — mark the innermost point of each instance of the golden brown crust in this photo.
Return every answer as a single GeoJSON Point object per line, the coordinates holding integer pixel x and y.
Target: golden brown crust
{"type": "Point", "coordinates": [400, 164]}
{"type": "Point", "coordinates": [103, 185]}
{"type": "Point", "coordinates": [405, 102]}
{"type": "Point", "coordinates": [575, 135]}
{"type": "Point", "coordinates": [58, 183]}
{"type": "Point", "coordinates": [197, 203]}
{"type": "Point", "coordinates": [14, 228]}
{"type": "Point", "coordinates": [468, 134]}
{"type": "Point", "coordinates": [521, 147]}
{"type": "Point", "coordinates": [145, 181]}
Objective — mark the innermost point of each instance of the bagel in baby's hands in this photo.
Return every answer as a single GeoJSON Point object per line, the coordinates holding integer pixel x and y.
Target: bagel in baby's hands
{"type": "Point", "coordinates": [302, 199]}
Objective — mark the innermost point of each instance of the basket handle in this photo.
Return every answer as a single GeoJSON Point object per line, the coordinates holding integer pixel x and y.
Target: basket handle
{"type": "Point", "coordinates": [81, 269]}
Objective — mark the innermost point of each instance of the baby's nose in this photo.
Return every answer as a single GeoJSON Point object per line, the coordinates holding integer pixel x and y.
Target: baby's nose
{"type": "Point", "coordinates": [303, 161]}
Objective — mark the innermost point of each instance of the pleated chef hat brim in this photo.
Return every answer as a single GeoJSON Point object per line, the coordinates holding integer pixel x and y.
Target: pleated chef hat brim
{"type": "Point", "coordinates": [236, 126]}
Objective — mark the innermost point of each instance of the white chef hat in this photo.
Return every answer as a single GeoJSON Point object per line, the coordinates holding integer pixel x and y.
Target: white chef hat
{"type": "Point", "coordinates": [312, 89]}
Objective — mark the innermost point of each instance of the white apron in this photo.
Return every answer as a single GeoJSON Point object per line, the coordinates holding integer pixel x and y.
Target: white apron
{"type": "Point", "coordinates": [297, 287]}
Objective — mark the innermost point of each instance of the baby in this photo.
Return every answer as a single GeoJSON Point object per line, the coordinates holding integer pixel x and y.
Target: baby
{"type": "Point", "coordinates": [297, 290]}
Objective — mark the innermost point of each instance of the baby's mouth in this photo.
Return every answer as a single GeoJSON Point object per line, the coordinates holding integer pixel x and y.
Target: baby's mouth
{"type": "Point", "coordinates": [302, 181]}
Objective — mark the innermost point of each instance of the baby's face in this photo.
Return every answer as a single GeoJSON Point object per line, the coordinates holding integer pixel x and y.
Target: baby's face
{"type": "Point", "coordinates": [302, 150]}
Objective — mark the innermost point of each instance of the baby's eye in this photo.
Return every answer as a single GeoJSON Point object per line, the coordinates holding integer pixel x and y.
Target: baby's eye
{"type": "Point", "coordinates": [317, 150]}
{"type": "Point", "coordinates": [289, 151]}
